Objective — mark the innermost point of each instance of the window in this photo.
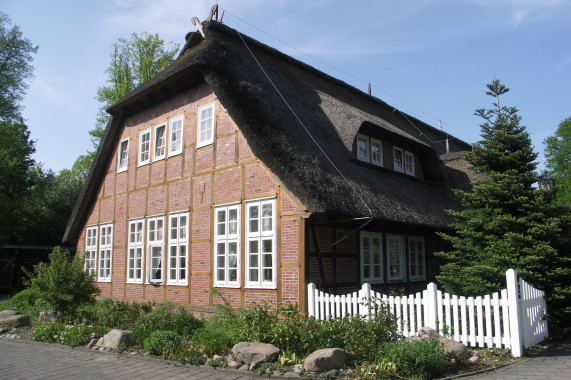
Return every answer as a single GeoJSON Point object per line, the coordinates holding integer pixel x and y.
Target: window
{"type": "Point", "coordinates": [123, 159]}
{"type": "Point", "coordinates": [227, 246]}
{"type": "Point", "coordinates": [260, 247]}
{"type": "Point", "coordinates": [155, 250]}
{"type": "Point", "coordinates": [175, 141]}
{"type": "Point", "coordinates": [376, 152]}
{"type": "Point", "coordinates": [397, 159]}
{"type": "Point", "coordinates": [144, 147]}
{"type": "Point", "coordinates": [416, 258]}
{"type": "Point", "coordinates": [408, 163]}
{"type": "Point", "coordinates": [371, 257]}
{"type": "Point", "coordinates": [159, 142]}
{"type": "Point", "coordinates": [395, 257]}
{"type": "Point", "coordinates": [178, 248]}
{"type": "Point", "coordinates": [363, 148]}
{"type": "Point", "coordinates": [90, 250]}
{"type": "Point", "coordinates": [135, 251]}
{"type": "Point", "coordinates": [105, 252]}
{"type": "Point", "coordinates": [205, 125]}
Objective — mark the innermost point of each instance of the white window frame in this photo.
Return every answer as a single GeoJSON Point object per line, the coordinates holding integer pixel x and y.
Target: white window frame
{"type": "Point", "coordinates": [105, 265]}
{"type": "Point", "coordinates": [257, 237]}
{"type": "Point", "coordinates": [155, 240]}
{"type": "Point", "coordinates": [135, 251]}
{"type": "Point", "coordinates": [417, 258]}
{"type": "Point", "coordinates": [399, 255]}
{"type": "Point", "coordinates": [379, 144]}
{"type": "Point", "coordinates": [144, 153]}
{"type": "Point", "coordinates": [123, 155]}
{"type": "Point", "coordinates": [207, 140]}
{"type": "Point", "coordinates": [408, 163]}
{"type": "Point", "coordinates": [363, 142]}
{"type": "Point", "coordinates": [156, 140]}
{"type": "Point", "coordinates": [224, 237]}
{"type": "Point", "coordinates": [178, 249]}
{"type": "Point", "coordinates": [400, 167]}
{"type": "Point", "coordinates": [367, 257]}
{"type": "Point", "coordinates": [178, 135]}
{"type": "Point", "coordinates": [90, 256]}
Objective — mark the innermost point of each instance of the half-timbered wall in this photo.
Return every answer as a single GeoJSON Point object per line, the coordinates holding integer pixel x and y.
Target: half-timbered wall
{"type": "Point", "coordinates": [193, 183]}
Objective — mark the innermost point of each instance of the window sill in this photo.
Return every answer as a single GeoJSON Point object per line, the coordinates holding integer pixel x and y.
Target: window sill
{"type": "Point", "coordinates": [134, 282]}
{"type": "Point", "coordinates": [177, 283]}
{"type": "Point", "coordinates": [269, 287]}
{"type": "Point", "coordinates": [227, 286]}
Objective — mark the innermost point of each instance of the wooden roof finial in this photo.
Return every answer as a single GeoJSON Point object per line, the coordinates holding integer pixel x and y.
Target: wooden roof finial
{"type": "Point", "coordinates": [213, 12]}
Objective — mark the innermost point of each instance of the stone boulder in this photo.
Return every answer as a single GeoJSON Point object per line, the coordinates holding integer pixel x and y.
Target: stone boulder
{"type": "Point", "coordinates": [49, 316]}
{"type": "Point", "coordinates": [255, 353]}
{"type": "Point", "coordinates": [11, 319]}
{"type": "Point", "coordinates": [114, 339]}
{"type": "Point", "coordinates": [324, 360]}
{"type": "Point", "coordinates": [428, 332]}
{"type": "Point", "coordinates": [453, 348]}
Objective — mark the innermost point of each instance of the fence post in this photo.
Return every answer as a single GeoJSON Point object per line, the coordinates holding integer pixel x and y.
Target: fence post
{"type": "Point", "coordinates": [365, 299]}
{"type": "Point", "coordinates": [513, 307]}
{"type": "Point", "coordinates": [431, 306]}
{"type": "Point", "coordinates": [311, 299]}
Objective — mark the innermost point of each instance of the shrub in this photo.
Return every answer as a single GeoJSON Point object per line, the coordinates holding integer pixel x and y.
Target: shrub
{"type": "Point", "coordinates": [47, 332]}
{"type": "Point", "coordinates": [161, 343]}
{"type": "Point", "coordinates": [62, 284]}
{"type": "Point", "coordinates": [415, 359]}
{"type": "Point", "coordinates": [76, 335]}
{"type": "Point", "coordinates": [25, 302]}
{"type": "Point", "coordinates": [165, 318]}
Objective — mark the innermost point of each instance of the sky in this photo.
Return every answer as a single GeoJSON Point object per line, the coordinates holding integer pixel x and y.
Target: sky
{"type": "Point", "coordinates": [429, 58]}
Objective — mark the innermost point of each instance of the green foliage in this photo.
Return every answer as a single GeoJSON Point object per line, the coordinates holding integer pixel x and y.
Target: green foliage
{"type": "Point", "coordinates": [377, 370]}
{"type": "Point", "coordinates": [16, 55]}
{"type": "Point", "coordinates": [62, 284]}
{"type": "Point", "coordinates": [165, 317]}
{"type": "Point", "coordinates": [24, 302]}
{"type": "Point", "coordinates": [422, 359]}
{"type": "Point", "coordinates": [161, 342]}
{"type": "Point", "coordinates": [504, 221]}
{"type": "Point", "coordinates": [56, 332]}
{"type": "Point", "coordinates": [47, 332]}
{"type": "Point", "coordinates": [133, 62]}
{"type": "Point", "coordinates": [558, 161]}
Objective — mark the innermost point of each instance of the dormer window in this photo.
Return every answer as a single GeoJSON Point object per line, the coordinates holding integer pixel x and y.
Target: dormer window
{"type": "Point", "coordinates": [376, 152]}
{"type": "Point", "coordinates": [363, 148]}
{"type": "Point", "coordinates": [159, 142]}
{"type": "Point", "coordinates": [408, 163]}
{"type": "Point", "coordinates": [398, 159]}
{"type": "Point", "coordinates": [205, 133]}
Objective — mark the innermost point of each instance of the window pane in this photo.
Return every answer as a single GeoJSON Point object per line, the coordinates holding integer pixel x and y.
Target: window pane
{"type": "Point", "coordinates": [254, 246]}
{"type": "Point", "coordinates": [266, 246]}
{"type": "Point", "coordinates": [267, 275]}
{"type": "Point", "coordinates": [253, 275]}
{"type": "Point", "coordinates": [267, 261]}
{"type": "Point", "coordinates": [253, 261]}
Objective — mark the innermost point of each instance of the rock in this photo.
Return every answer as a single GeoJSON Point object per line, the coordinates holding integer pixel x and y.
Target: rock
{"type": "Point", "coordinates": [324, 360]}
{"type": "Point", "coordinates": [49, 316]}
{"type": "Point", "coordinates": [114, 338]}
{"type": "Point", "coordinates": [298, 368]}
{"type": "Point", "coordinates": [474, 359]}
{"type": "Point", "coordinates": [234, 364]}
{"type": "Point", "coordinates": [15, 320]}
{"type": "Point", "coordinates": [413, 338]}
{"type": "Point", "coordinates": [292, 374]}
{"type": "Point", "coordinates": [8, 313]}
{"type": "Point", "coordinates": [218, 357]}
{"type": "Point", "coordinates": [268, 371]}
{"type": "Point", "coordinates": [245, 367]}
{"type": "Point", "coordinates": [254, 353]}
{"type": "Point", "coordinates": [92, 343]}
{"type": "Point", "coordinates": [3, 330]}
{"type": "Point", "coordinates": [428, 332]}
{"type": "Point", "coordinates": [331, 374]}
{"type": "Point", "coordinates": [278, 373]}
{"type": "Point", "coordinates": [452, 347]}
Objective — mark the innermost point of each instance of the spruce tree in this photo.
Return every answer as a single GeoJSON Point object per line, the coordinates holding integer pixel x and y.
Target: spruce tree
{"type": "Point", "coordinates": [504, 221]}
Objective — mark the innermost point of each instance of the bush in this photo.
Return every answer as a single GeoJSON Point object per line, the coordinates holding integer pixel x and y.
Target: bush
{"type": "Point", "coordinates": [62, 284]}
{"type": "Point", "coordinates": [161, 343]}
{"type": "Point", "coordinates": [165, 318]}
{"type": "Point", "coordinates": [47, 332]}
{"type": "Point", "coordinates": [415, 359]}
{"type": "Point", "coordinates": [25, 302]}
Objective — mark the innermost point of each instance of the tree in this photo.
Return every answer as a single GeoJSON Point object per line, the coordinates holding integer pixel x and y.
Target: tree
{"type": "Point", "coordinates": [62, 284]}
{"type": "Point", "coordinates": [558, 161]}
{"type": "Point", "coordinates": [15, 69]}
{"type": "Point", "coordinates": [133, 62]}
{"type": "Point", "coordinates": [16, 175]}
{"type": "Point", "coordinates": [504, 222]}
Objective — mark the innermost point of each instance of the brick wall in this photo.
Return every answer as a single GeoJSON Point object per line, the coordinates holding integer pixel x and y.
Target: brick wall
{"type": "Point", "coordinates": [228, 172]}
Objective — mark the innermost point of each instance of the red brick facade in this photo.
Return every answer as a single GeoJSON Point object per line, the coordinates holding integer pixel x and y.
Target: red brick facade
{"type": "Point", "coordinates": [194, 182]}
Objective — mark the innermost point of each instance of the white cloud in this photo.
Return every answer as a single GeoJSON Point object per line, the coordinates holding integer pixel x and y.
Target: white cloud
{"type": "Point", "coordinates": [517, 12]}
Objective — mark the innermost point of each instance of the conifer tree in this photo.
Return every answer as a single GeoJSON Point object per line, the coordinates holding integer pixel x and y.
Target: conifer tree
{"type": "Point", "coordinates": [504, 221]}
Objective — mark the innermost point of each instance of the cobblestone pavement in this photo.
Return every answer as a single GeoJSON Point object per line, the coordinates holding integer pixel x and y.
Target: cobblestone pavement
{"type": "Point", "coordinates": [21, 359]}
{"type": "Point", "coordinates": [553, 363]}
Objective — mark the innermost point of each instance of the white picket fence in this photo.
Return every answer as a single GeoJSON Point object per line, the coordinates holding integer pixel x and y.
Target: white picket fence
{"type": "Point", "coordinates": [509, 319]}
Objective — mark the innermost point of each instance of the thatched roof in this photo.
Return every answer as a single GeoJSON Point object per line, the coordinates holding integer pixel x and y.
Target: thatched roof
{"type": "Point", "coordinates": [331, 111]}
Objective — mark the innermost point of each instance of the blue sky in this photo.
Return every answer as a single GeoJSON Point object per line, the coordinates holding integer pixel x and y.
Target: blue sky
{"type": "Point", "coordinates": [429, 58]}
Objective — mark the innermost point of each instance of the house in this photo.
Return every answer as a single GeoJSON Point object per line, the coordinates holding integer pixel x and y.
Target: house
{"type": "Point", "coordinates": [242, 169]}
